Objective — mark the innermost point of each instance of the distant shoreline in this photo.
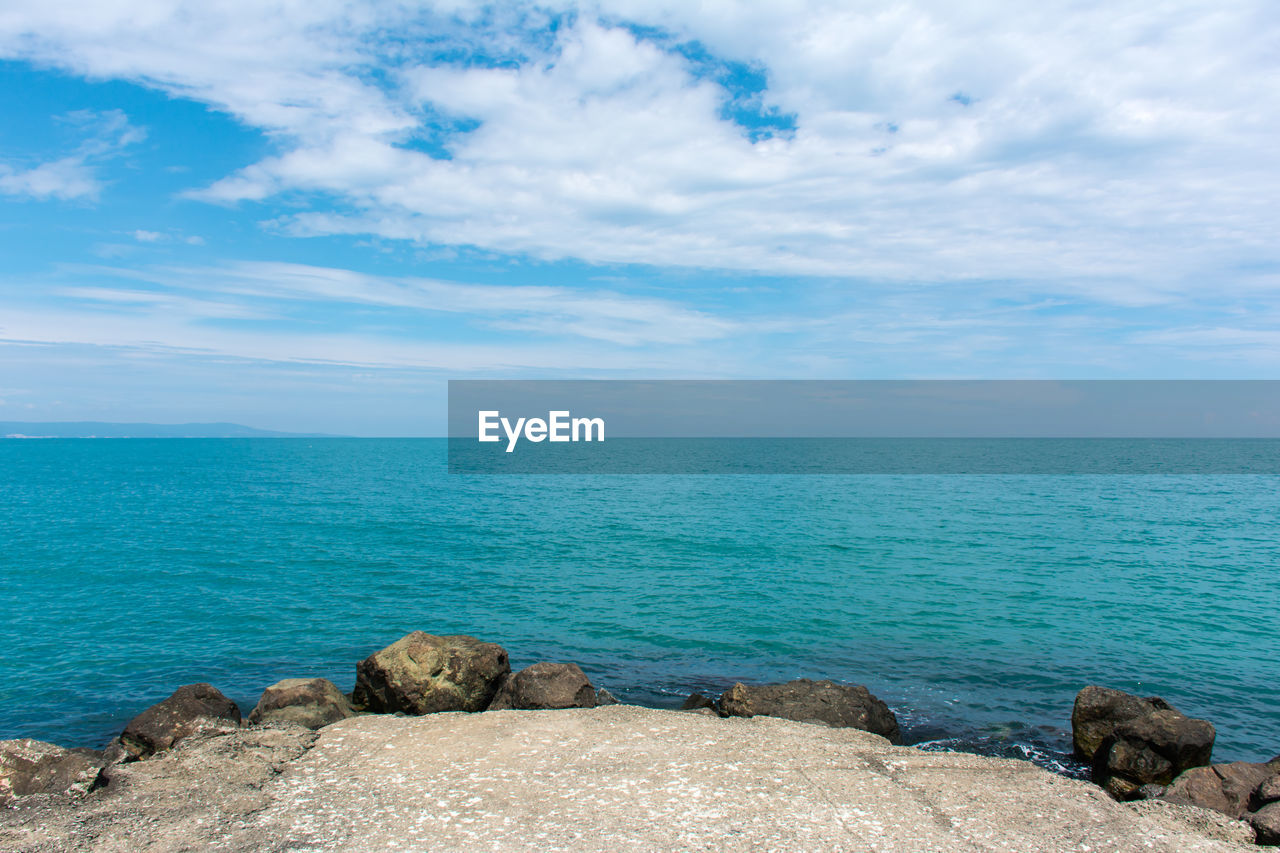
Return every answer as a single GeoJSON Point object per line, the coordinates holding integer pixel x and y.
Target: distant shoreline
{"type": "Point", "coordinates": [107, 429]}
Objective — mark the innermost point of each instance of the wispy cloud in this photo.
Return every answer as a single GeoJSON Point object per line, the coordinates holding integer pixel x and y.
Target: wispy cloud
{"type": "Point", "coordinates": [600, 315]}
{"type": "Point", "coordinates": [76, 175]}
{"type": "Point", "coordinates": [307, 314]}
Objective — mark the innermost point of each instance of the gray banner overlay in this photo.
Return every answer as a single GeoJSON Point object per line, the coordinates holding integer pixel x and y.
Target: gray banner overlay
{"type": "Point", "coordinates": [864, 427]}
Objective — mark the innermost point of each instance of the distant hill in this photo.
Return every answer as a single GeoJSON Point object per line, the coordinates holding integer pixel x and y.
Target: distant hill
{"type": "Point", "coordinates": [97, 429]}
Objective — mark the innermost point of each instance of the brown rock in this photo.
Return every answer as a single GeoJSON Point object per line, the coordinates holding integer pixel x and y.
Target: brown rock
{"type": "Point", "coordinates": [697, 701]}
{"type": "Point", "coordinates": [1150, 749]}
{"type": "Point", "coordinates": [1268, 791]}
{"type": "Point", "coordinates": [545, 686]}
{"type": "Point", "coordinates": [1139, 763]}
{"type": "Point", "coordinates": [191, 709]}
{"type": "Point", "coordinates": [310, 702]}
{"type": "Point", "coordinates": [1266, 824]}
{"type": "Point", "coordinates": [1184, 741]}
{"type": "Point", "coordinates": [1121, 788]}
{"type": "Point", "coordinates": [34, 767]}
{"type": "Point", "coordinates": [1228, 788]}
{"type": "Point", "coordinates": [1097, 712]}
{"type": "Point", "coordinates": [1199, 786]}
{"type": "Point", "coordinates": [1240, 779]}
{"type": "Point", "coordinates": [422, 674]}
{"type": "Point", "coordinates": [837, 705]}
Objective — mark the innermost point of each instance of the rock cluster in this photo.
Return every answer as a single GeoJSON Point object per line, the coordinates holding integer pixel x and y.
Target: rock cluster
{"type": "Point", "coordinates": [1138, 748]}
{"type": "Point", "coordinates": [1144, 749]}
{"type": "Point", "coordinates": [1242, 790]}
{"type": "Point", "coordinates": [1129, 741]}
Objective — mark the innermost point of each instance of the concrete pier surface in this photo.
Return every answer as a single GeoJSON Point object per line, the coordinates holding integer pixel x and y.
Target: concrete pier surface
{"type": "Point", "coordinates": [613, 778]}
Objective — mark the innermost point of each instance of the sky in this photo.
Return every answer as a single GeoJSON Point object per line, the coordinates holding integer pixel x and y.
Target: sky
{"type": "Point", "coordinates": [309, 215]}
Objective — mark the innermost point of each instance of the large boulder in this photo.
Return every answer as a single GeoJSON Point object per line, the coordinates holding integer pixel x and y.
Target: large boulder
{"type": "Point", "coordinates": [422, 674]}
{"type": "Point", "coordinates": [1097, 712]}
{"type": "Point", "coordinates": [34, 767]}
{"type": "Point", "coordinates": [1228, 788]}
{"type": "Point", "coordinates": [1133, 743]}
{"type": "Point", "coordinates": [545, 686]}
{"type": "Point", "coordinates": [192, 709]}
{"type": "Point", "coordinates": [838, 705]}
{"type": "Point", "coordinates": [310, 702]}
{"type": "Point", "coordinates": [1152, 749]}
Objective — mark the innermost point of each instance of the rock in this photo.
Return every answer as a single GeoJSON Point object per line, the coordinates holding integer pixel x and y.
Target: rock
{"type": "Point", "coordinates": [1227, 788]}
{"type": "Point", "coordinates": [1268, 791]}
{"type": "Point", "coordinates": [1097, 712]}
{"type": "Point", "coordinates": [34, 767]}
{"type": "Point", "coordinates": [188, 798]}
{"type": "Point", "coordinates": [1121, 788]}
{"type": "Point", "coordinates": [1240, 779]}
{"type": "Point", "coordinates": [192, 709]}
{"type": "Point", "coordinates": [604, 697]}
{"type": "Point", "coordinates": [1150, 792]}
{"type": "Point", "coordinates": [697, 701]}
{"type": "Point", "coordinates": [1199, 786]}
{"type": "Point", "coordinates": [310, 702]}
{"type": "Point", "coordinates": [837, 705]}
{"type": "Point", "coordinates": [610, 779]}
{"type": "Point", "coordinates": [1266, 824]}
{"type": "Point", "coordinates": [1183, 741]}
{"type": "Point", "coordinates": [422, 674]}
{"type": "Point", "coordinates": [1130, 741]}
{"type": "Point", "coordinates": [1138, 763]}
{"type": "Point", "coordinates": [545, 686]}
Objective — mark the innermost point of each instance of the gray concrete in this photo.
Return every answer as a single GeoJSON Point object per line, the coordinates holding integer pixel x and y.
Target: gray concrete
{"type": "Point", "coordinates": [620, 778]}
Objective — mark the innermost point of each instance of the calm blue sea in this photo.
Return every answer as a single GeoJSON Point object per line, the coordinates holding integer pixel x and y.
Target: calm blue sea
{"type": "Point", "coordinates": [976, 606]}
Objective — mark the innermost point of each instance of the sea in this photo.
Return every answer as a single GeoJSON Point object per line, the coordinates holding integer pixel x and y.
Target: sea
{"type": "Point", "coordinates": [976, 605]}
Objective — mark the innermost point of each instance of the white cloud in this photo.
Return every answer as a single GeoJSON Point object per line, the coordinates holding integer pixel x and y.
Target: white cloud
{"type": "Point", "coordinates": [68, 178]}
{"type": "Point", "coordinates": [144, 236]}
{"type": "Point", "coordinates": [74, 176]}
{"type": "Point", "coordinates": [561, 312]}
{"type": "Point", "coordinates": [159, 333]}
{"type": "Point", "coordinates": [301, 314]}
{"type": "Point", "coordinates": [1121, 151]}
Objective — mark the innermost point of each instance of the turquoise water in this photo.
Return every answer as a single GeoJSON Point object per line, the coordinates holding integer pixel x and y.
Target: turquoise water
{"type": "Point", "coordinates": [975, 605]}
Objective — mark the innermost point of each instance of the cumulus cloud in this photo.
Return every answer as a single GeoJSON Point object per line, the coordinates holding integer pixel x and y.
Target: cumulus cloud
{"type": "Point", "coordinates": [1104, 150]}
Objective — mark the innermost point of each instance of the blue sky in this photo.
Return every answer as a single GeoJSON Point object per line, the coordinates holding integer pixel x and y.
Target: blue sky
{"type": "Point", "coordinates": [308, 216]}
